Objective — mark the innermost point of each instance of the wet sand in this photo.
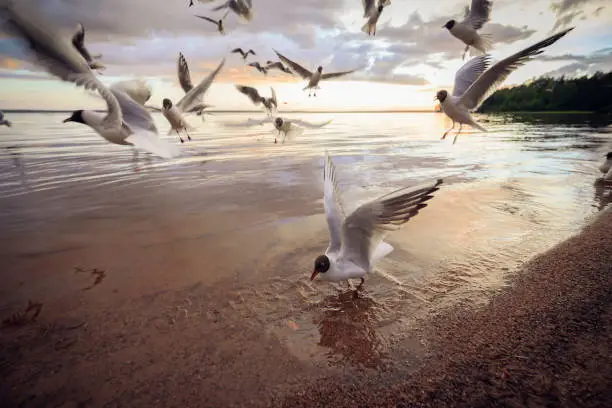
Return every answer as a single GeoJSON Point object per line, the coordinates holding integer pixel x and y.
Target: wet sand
{"type": "Point", "coordinates": [543, 342]}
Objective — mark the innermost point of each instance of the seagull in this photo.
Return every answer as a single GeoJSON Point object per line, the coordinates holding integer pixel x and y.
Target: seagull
{"type": "Point", "coordinates": [356, 241]}
{"type": "Point", "coordinates": [372, 13]}
{"type": "Point", "coordinates": [191, 102]}
{"type": "Point", "coordinates": [184, 77]}
{"type": "Point", "coordinates": [241, 52]}
{"type": "Point", "coordinates": [474, 83]}
{"type": "Point", "coordinates": [241, 7]}
{"type": "Point", "coordinates": [605, 167]}
{"type": "Point", "coordinates": [191, 4]}
{"type": "Point", "coordinates": [313, 78]}
{"type": "Point", "coordinates": [475, 17]}
{"type": "Point", "coordinates": [277, 65]}
{"type": "Point", "coordinates": [218, 23]}
{"type": "Point", "coordinates": [4, 122]}
{"type": "Point", "coordinates": [271, 104]}
{"type": "Point", "coordinates": [137, 126]}
{"type": "Point", "coordinates": [78, 40]}
{"type": "Point", "coordinates": [261, 69]}
{"type": "Point", "coordinates": [289, 127]}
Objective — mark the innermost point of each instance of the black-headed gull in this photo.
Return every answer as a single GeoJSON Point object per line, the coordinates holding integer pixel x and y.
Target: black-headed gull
{"type": "Point", "coordinates": [372, 12]}
{"type": "Point", "coordinates": [191, 102]}
{"type": "Point", "coordinates": [356, 240]}
{"type": "Point", "coordinates": [258, 67]}
{"type": "Point", "coordinates": [474, 83]}
{"type": "Point", "coordinates": [467, 29]}
{"type": "Point", "coordinates": [278, 65]}
{"type": "Point", "coordinates": [270, 104]}
{"type": "Point", "coordinates": [289, 127]}
{"type": "Point", "coordinates": [313, 77]}
{"type": "Point", "coordinates": [242, 52]}
{"type": "Point", "coordinates": [242, 8]}
{"type": "Point", "coordinates": [218, 23]}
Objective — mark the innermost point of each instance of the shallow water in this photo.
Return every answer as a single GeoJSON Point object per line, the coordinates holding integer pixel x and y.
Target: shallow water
{"type": "Point", "coordinates": [240, 217]}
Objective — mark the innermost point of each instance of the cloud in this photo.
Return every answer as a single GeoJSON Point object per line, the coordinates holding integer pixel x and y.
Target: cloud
{"type": "Point", "coordinates": [600, 60]}
{"type": "Point", "coordinates": [569, 10]}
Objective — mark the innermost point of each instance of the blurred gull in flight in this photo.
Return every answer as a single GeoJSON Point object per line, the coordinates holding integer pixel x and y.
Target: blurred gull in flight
{"type": "Point", "coordinates": [278, 65]}
{"type": "Point", "coordinates": [78, 40]}
{"type": "Point", "coordinates": [191, 2]}
{"type": "Point", "coordinates": [243, 53]}
{"type": "Point", "coordinates": [218, 23]}
{"type": "Point", "coordinates": [258, 66]}
{"type": "Point", "coordinates": [372, 13]}
{"type": "Point", "coordinates": [242, 8]}
{"type": "Point", "coordinates": [356, 241]}
{"type": "Point", "coordinates": [475, 17]}
{"type": "Point", "coordinates": [4, 122]}
{"type": "Point", "coordinates": [289, 127]}
{"type": "Point", "coordinates": [474, 83]}
{"type": "Point", "coordinates": [313, 77]}
{"type": "Point", "coordinates": [270, 104]}
{"type": "Point", "coordinates": [191, 102]}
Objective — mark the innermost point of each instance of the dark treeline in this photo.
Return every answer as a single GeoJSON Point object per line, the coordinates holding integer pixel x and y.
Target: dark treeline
{"type": "Point", "coordinates": [585, 93]}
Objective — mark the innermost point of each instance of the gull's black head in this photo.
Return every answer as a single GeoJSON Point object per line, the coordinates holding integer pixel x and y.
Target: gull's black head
{"type": "Point", "coordinates": [609, 155]}
{"type": "Point", "coordinates": [278, 122]}
{"type": "Point", "coordinates": [441, 96]}
{"type": "Point", "coordinates": [380, 8]}
{"type": "Point", "coordinates": [167, 103]}
{"type": "Point", "coordinates": [321, 265]}
{"type": "Point", "coordinates": [319, 69]}
{"type": "Point", "coordinates": [77, 116]}
{"type": "Point", "coordinates": [449, 24]}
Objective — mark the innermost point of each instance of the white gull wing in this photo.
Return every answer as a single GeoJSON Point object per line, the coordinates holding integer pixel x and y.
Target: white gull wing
{"type": "Point", "coordinates": [309, 125]}
{"type": "Point", "coordinates": [183, 73]}
{"type": "Point", "coordinates": [469, 73]}
{"type": "Point", "coordinates": [364, 229]}
{"type": "Point", "coordinates": [488, 82]}
{"type": "Point", "coordinates": [194, 96]}
{"type": "Point", "coordinates": [56, 55]}
{"type": "Point", "coordinates": [334, 213]}
{"type": "Point", "coordinates": [251, 92]}
{"type": "Point", "coordinates": [330, 75]}
{"type": "Point", "coordinates": [137, 89]}
{"type": "Point", "coordinates": [294, 66]}
{"type": "Point", "coordinates": [478, 14]}
{"type": "Point", "coordinates": [274, 99]}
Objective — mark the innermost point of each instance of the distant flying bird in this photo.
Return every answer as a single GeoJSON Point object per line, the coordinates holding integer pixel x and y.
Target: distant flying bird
{"type": "Point", "coordinates": [78, 40]}
{"type": "Point", "coordinates": [191, 102]}
{"type": "Point", "coordinates": [606, 167]}
{"type": "Point", "coordinates": [4, 122]}
{"type": "Point", "coordinates": [313, 78]}
{"type": "Point", "coordinates": [258, 66]}
{"type": "Point", "coordinates": [270, 104]}
{"type": "Point", "coordinates": [218, 23]}
{"type": "Point", "coordinates": [475, 17]}
{"type": "Point", "coordinates": [241, 52]}
{"type": "Point", "coordinates": [277, 65]}
{"type": "Point", "coordinates": [372, 13]}
{"type": "Point", "coordinates": [242, 8]}
{"type": "Point", "coordinates": [289, 127]}
{"type": "Point", "coordinates": [474, 83]}
{"type": "Point", "coordinates": [356, 240]}
{"type": "Point", "coordinates": [191, 4]}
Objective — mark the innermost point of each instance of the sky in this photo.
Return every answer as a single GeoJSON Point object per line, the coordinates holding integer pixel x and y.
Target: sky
{"type": "Point", "coordinates": [402, 67]}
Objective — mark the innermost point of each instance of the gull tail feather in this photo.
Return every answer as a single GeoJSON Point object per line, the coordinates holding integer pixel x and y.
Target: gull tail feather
{"type": "Point", "coordinates": [369, 28]}
{"type": "Point", "coordinates": [483, 43]}
{"type": "Point", "coordinates": [152, 144]}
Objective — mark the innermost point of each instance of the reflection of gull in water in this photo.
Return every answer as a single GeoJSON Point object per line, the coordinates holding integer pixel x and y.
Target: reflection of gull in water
{"type": "Point", "coordinates": [603, 193]}
{"type": "Point", "coordinates": [347, 326]}
{"type": "Point", "coordinates": [16, 155]}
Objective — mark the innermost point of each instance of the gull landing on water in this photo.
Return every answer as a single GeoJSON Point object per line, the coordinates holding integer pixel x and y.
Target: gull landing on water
{"type": "Point", "coordinates": [356, 241]}
{"type": "Point", "coordinates": [313, 77]}
{"type": "Point", "coordinates": [467, 29]}
{"type": "Point", "coordinates": [474, 83]}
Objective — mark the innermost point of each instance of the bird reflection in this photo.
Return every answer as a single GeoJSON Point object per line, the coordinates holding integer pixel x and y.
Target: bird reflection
{"type": "Point", "coordinates": [17, 162]}
{"type": "Point", "coordinates": [603, 193]}
{"type": "Point", "coordinates": [137, 162]}
{"type": "Point", "coordinates": [347, 326]}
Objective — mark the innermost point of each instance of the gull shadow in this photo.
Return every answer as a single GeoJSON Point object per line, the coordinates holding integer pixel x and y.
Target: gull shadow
{"type": "Point", "coordinates": [347, 325]}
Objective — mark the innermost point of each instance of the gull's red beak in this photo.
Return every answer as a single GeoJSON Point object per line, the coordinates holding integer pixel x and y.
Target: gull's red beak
{"type": "Point", "coordinates": [314, 274]}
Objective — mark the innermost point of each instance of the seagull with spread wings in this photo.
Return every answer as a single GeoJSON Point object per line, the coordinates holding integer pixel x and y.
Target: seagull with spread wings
{"type": "Point", "coordinates": [242, 52]}
{"type": "Point", "coordinates": [192, 102]}
{"type": "Point", "coordinates": [258, 67]}
{"type": "Point", "coordinates": [372, 13]}
{"type": "Point", "coordinates": [289, 127]}
{"type": "Point", "coordinates": [78, 40]}
{"type": "Point", "coordinates": [218, 23]}
{"type": "Point", "coordinates": [270, 104]}
{"type": "Point", "coordinates": [356, 240]}
{"type": "Point", "coordinates": [242, 8]}
{"type": "Point", "coordinates": [313, 77]}
{"type": "Point", "coordinates": [474, 83]}
{"type": "Point", "coordinates": [277, 65]}
{"type": "Point", "coordinates": [467, 29]}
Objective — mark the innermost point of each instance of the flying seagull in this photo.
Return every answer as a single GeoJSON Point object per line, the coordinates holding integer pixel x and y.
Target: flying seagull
{"type": "Point", "coordinates": [270, 104]}
{"type": "Point", "coordinates": [313, 77]}
{"type": "Point", "coordinates": [356, 241]}
{"type": "Point", "coordinates": [372, 13]}
{"type": "Point", "coordinates": [78, 40]}
{"type": "Point", "coordinates": [467, 29]}
{"type": "Point", "coordinates": [191, 102]}
{"type": "Point", "coordinates": [258, 66]}
{"type": "Point", "coordinates": [184, 77]}
{"type": "Point", "coordinates": [474, 83]}
{"type": "Point", "coordinates": [242, 8]}
{"type": "Point", "coordinates": [277, 65]}
{"type": "Point", "coordinates": [191, 3]}
{"type": "Point", "coordinates": [241, 52]}
{"type": "Point", "coordinates": [218, 23]}
{"type": "Point", "coordinates": [289, 127]}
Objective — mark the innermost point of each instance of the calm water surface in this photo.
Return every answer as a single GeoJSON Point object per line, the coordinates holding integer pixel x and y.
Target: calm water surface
{"type": "Point", "coordinates": [508, 195]}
